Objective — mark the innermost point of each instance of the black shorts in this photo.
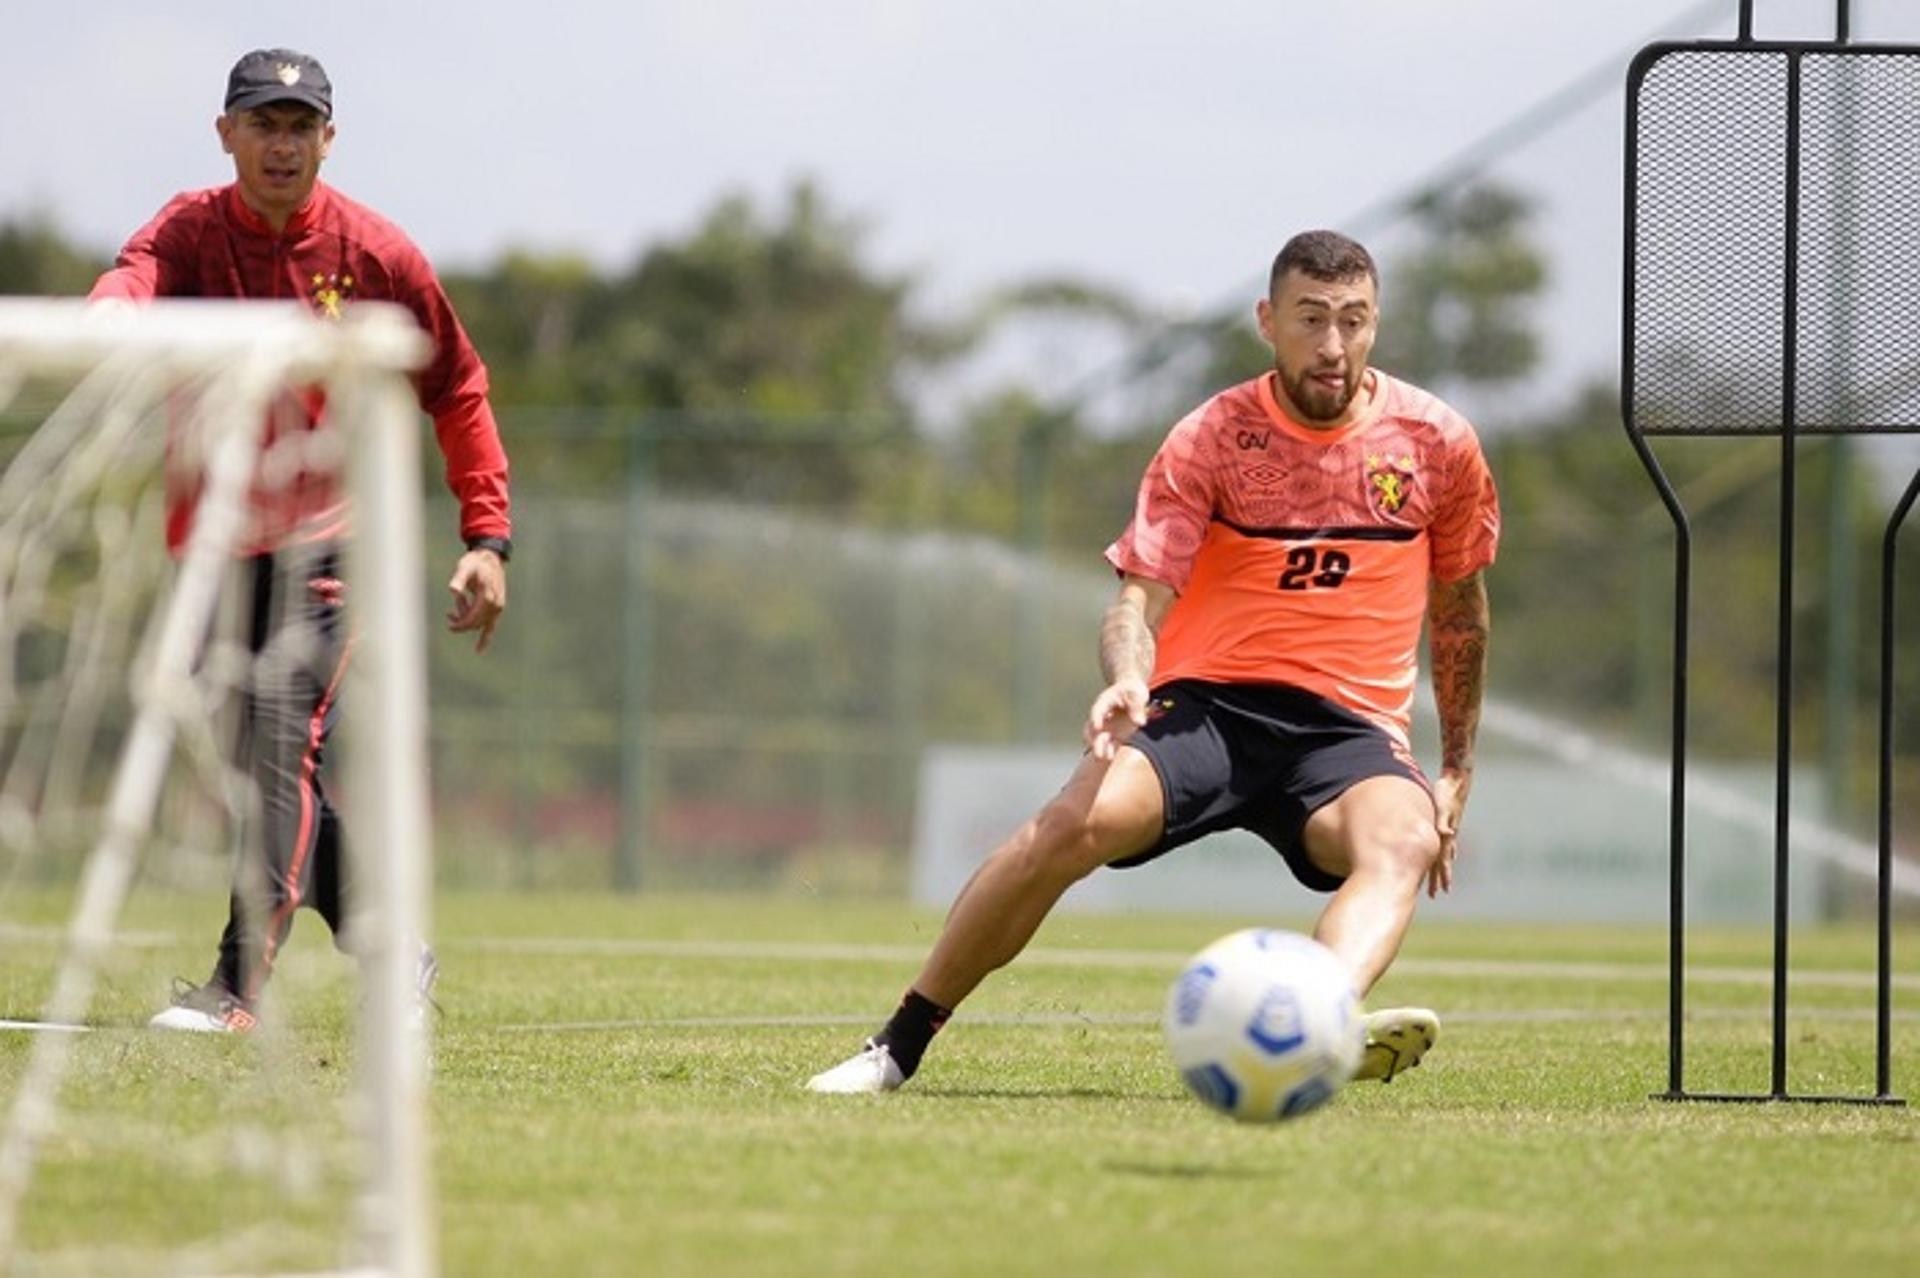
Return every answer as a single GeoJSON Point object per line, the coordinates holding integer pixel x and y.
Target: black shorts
{"type": "Point", "coordinates": [1258, 757]}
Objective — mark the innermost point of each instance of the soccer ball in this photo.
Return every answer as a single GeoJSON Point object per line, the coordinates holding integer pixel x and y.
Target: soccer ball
{"type": "Point", "coordinates": [1264, 1025]}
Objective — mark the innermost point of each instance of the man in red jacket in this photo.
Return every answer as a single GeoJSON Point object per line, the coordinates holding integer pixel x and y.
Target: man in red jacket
{"type": "Point", "coordinates": [278, 232]}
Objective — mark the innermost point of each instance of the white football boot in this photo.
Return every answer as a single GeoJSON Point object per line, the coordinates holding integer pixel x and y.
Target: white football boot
{"type": "Point", "coordinates": [871, 1071]}
{"type": "Point", "coordinates": [1397, 1037]}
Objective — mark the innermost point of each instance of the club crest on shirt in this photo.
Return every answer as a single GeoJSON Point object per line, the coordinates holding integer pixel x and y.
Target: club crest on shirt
{"type": "Point", "coordinates": [331, 293]}
{"type": "Point", "coordinates": [1389, 481]}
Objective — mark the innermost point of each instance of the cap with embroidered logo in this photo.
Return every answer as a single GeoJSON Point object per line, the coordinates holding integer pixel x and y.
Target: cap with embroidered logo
{"type": "Point", "coordinates": [279, 75]}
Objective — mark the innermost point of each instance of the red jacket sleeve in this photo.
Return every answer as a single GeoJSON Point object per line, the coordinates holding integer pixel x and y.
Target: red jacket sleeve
{"type": "Point", "coordinates": [453, 391]}
{"type": "Point", "coordinates": [156, 261]}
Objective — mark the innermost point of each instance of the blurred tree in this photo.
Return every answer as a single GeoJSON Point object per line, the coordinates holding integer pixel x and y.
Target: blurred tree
{"type": "Point", "coordinates": [767, 354]}
{"type": "Point", "coordinates": [37, 260]}
{"type": "Point", "coordinates": [778, 319]}
{"type": "Point", "coordinates": [1234, 350]}
{"type": "Point", "coordinates": [1583, 591]}
{"type": "Point", "coordinates": [1454, 309]}
{"type": "Point", "coordinates": [524, 312]}
{"type": "Point", "coordinates": [1025, 460]}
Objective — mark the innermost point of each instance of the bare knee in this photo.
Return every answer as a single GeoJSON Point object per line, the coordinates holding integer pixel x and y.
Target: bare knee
{"type": "Point", "coordinates": [1103, 813]}
{"type": "Point", "coordinates": [1404, 849]}
{"type": "Point", "coordinates": [1062, 841]}
{"type": "Point", "coordinates": [1381, 828]}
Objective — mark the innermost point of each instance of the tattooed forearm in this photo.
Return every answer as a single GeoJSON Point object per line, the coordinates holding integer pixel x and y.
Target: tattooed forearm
{"type": "Point", "coordinates": [1458, 622]}
{"type": "Point", "coordinates": [1126, 642]}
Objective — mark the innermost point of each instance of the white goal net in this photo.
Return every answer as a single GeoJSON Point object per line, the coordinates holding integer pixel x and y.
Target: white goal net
{"type": "Point", "coordinates": [125, 815]}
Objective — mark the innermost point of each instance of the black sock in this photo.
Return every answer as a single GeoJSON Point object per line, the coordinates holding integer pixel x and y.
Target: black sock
{"type": "Point", "coordinates": [911, 1028]}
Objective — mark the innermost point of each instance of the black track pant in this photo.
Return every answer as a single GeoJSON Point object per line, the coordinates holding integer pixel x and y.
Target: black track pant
{"type": "Point", "coordinates": [292, 855]}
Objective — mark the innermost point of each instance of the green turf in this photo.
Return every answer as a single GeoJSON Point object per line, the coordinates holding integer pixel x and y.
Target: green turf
{"type": "Point", "coordinates": [1046, 1135]}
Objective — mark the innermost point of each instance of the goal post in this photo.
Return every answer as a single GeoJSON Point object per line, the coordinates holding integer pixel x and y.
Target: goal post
{"type": "Point", "coordinates": [108, 406]}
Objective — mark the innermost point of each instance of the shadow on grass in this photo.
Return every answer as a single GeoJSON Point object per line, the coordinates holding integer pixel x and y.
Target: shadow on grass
{"type": "Point", "coordinates": [1048, 1093]}
{"type": "Point", "coordinates": [1191, 1171]}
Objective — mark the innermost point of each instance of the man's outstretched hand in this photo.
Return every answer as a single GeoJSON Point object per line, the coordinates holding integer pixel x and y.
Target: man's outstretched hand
{"type": "Point", "coordinates": [479, 589]}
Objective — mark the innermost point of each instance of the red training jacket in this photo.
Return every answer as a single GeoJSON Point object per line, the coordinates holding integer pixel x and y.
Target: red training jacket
{"type": "Point", "coordinates": [333, 253]}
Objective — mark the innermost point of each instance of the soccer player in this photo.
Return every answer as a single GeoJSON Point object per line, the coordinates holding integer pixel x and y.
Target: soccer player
{"type": "Point", "coordinates": [1290, 536]}
{"type": "Point", "coordinates": [278, 232]}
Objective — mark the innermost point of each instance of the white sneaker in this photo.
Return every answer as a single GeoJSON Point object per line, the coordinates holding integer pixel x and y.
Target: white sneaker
{"type": "Point", "coordinates": [872, 1071]}
{"type": "Point", "coordinates": [421, 1007]}
{"type": "Point", "coordinates": [204, 1009]}
{"type": "Point", "coordinates": [420, 1016]}
{"type": "Point", "coordinates": [1397, 1037]}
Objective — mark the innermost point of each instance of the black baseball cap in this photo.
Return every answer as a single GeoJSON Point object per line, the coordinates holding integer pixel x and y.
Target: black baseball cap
{"type": "Point", "coordinates": [279, 75]}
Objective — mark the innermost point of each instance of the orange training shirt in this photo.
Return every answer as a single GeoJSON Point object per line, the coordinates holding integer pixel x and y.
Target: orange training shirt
{"type": "Point", "coordinates": [1303, 556]}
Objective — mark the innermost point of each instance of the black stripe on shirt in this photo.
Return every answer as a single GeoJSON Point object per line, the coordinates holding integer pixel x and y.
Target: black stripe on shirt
{"type": "Point", "coordinates": [1371, 532]}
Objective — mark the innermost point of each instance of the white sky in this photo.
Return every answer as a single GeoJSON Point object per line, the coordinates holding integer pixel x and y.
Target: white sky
{"type": "Point", "coordinates": [1166, 147]}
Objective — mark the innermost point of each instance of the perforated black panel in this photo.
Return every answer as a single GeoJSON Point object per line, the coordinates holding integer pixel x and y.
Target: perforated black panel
{"type": "Point", "coordinates": [1859, 312]}
{"type": "Point", "coordinates": [1719, 217]}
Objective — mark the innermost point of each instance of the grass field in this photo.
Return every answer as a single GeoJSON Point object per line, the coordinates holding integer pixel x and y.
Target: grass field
{"type": "Point", "coordinates": [617, 1091]}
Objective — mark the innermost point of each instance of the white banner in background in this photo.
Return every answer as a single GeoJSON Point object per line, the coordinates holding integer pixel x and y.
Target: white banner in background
{"type": "Point", "coordinates": [1542, 842]}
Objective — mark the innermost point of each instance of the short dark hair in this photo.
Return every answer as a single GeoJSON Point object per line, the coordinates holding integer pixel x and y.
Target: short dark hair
{"type": "Point", "coordinates": [1325, 255]}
